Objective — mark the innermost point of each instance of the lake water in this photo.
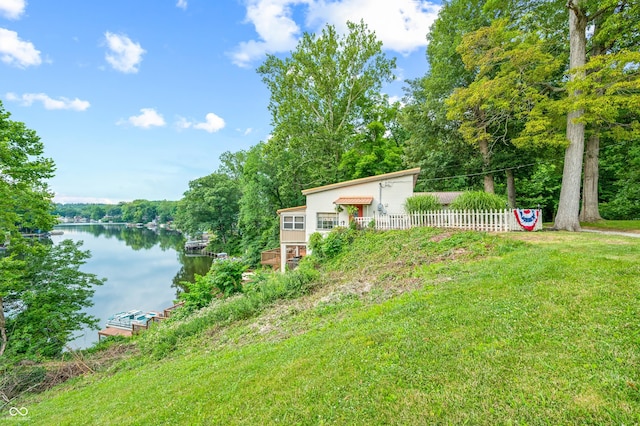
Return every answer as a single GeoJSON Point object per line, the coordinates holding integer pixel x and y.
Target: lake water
{"type": "Point", "coordinates": [143, 269]}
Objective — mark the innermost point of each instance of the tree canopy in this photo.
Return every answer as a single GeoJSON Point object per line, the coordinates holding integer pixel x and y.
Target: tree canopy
{"type": "Point", "coordinates": [42, 291]}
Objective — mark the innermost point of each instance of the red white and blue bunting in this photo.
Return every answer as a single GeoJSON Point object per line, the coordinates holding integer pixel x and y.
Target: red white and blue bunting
{"type": "Point", "coordinates": [527, 218]}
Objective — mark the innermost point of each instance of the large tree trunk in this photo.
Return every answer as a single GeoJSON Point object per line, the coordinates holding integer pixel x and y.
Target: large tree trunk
{"type": "Point", "coordinates": [569, 204]}
{"type": "Point", "coordinates": [486, 161]}
{"type": "Point", "coordinates": [590, 211]}
{"type": "Point", "coordinates": [511, 189]}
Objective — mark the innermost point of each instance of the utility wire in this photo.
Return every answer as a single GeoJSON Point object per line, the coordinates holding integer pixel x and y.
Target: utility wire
{"type": "Point", "coordinates": [479, 174]}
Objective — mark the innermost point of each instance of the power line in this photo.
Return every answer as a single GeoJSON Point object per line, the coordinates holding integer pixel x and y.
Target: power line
{"type": "Point", "coordinates": [479, 174]}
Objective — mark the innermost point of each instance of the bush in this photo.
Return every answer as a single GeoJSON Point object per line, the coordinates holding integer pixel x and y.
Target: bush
{"type": "Point", "coordinates": [332, 244]}
{"type": "Point", "coordinates": [478, 200]}
{"type": "Point", "coordinates": [224, 277]}
{"type": "Point", "coordinates": [422, 203]}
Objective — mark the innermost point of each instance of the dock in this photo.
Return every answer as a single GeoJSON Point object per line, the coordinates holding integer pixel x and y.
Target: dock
{"type": "Point", "coordinates": [133, 322]}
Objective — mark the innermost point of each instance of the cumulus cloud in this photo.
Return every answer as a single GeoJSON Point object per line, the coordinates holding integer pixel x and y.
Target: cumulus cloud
{"type": "Point", "coordinates": [402, 25]}
{"type": "Point", "coordinates": [277, 31]}
{"type": "Point", "coordinates": [124, 55]}
{"type": "Point", "coordinates": [27, 99]}
{"type": "Point", "coordinates": [212, 123]}
{"type": "Point", "coordinates": [182, 4]}
{"type": "Point", "coordinates": [16, 52]}
{"type": "Point", "coordinates": [12, 9]}
{"type": "Point", "coordinates": [148, 118]}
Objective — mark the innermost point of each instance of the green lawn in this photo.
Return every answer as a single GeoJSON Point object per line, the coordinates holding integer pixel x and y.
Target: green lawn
{"type": "Point", "coordinates": [614, 225]}
{"type": "Point", "coordinates": [413, 327]}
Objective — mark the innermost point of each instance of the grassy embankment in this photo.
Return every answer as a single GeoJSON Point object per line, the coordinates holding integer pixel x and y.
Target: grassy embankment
{"type": "Point", "coordinates": [412, 327]}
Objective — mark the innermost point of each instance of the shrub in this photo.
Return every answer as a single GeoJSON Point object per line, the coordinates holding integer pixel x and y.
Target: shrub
{"type": "Point", "coordinates": [224, 277]}
{"type": "Point", "coordinates": [332, 244]}
{"type": "Point", "coordinates": [422, 203]}
{"type": "Point", "coordinates": [478, 200]}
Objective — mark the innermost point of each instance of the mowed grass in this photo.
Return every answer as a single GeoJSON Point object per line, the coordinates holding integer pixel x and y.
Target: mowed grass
{"type": "Point", "coordinates": [614, 225]}
{"type": "Point", "coordinates": [413, 327]}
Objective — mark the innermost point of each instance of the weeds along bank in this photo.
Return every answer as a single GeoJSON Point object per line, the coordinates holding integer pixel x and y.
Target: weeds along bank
{"type": "Point", "coordinates": [399, 327]}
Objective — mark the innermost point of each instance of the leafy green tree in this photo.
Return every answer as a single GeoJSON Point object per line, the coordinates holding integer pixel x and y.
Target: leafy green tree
{"type": "Point", "coordinates": [42, 290]}
{"type": "Point", "coordinates": [434, 144]}
{"type": "Point", "coordinates": [25, 202]}
{"type": "Point", "coordinates": [47, 307]}
{"type": "Point", "coordinates": [320, 95]}
{"type": "Point", "coordinates": [211, 205]}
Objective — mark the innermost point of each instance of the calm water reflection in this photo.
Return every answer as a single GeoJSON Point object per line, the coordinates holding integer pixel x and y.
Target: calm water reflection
{"type": "Point", "coordinates": [143, 268]}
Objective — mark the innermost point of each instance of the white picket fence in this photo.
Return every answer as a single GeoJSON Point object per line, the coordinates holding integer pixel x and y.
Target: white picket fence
{"type": "Point", "coordinates": [477, 220]}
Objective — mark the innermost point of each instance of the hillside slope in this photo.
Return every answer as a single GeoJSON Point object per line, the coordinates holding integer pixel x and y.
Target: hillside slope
{"type": "Point", "coordinates": [411, 327]}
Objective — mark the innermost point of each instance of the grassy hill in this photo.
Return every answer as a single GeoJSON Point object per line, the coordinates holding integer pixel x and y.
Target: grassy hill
{"type": "Point", "coordinates": [410, 327]}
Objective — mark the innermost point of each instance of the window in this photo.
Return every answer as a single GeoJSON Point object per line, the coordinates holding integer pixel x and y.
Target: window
{"type": "Point", "coordinates": [293, 223]}
{"type": "Point", "coordinates": [327, 220]}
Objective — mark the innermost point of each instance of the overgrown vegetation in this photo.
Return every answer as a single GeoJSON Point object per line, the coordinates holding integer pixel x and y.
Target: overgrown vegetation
{"type": "Point", "coordinates": [478, 200]}
{"type": "Point", "coordinates": [404, 326]}
{"type": "Point", "coordinates": [422, 203]}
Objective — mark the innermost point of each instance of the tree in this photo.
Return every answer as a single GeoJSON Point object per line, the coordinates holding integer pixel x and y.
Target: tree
{"type": "Point", "coordinates": [47, 307]}
{"type": "Point", "coordinates": [511, 69]}
{"type": "Point", "coordinates": [42, 290]}
{"type": "Point", "coordinates": [211, 204]}
{"type": "Point", "coordinates": [320, 95]}
{"type": "Point", "coordinates": [434, 143]}
{"type": "Point", "coordinates": [25, 201]}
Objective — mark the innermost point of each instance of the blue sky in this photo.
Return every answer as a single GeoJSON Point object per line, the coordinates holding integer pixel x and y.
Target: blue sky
{"type": "Point", "coordinates": [135, 98]}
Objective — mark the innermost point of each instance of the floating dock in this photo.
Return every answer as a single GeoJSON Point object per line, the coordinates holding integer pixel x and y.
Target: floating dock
{"type": "Point", "coordinates": [133, 322]}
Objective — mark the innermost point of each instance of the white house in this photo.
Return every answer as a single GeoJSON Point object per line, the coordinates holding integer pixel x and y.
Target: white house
{"type": "Point", "coordinates": [330, 206]}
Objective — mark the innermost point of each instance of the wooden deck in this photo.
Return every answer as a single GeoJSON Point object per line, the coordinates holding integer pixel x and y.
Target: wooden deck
{"type": "Point", "coordinates": [112, 331]}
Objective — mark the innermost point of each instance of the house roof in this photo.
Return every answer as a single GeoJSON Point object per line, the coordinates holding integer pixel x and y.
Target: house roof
{"type": "Point", "coordinates": [292, 209]}
{"type": "Point", "coordinates": [353, 201]}
{"type": "Point", "coordinates": [410, 172]}
{"type": "Point", "coordinates": [445, 198]}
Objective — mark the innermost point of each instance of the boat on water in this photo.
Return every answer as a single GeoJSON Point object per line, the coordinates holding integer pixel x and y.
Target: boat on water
{"type": "Point", "coordinates": [126, 319]}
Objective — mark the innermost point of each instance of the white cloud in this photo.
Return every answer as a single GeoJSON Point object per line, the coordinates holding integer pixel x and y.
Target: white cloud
{"type": "Point", "coordinates": [14, 51]}
{"type": "Point", "coordinates": [148, 118]}
{"type": "Point", "coordinates": [402, 25]}
{"type": "Point", "coordinates": [12, 9]}
{"type": "Point", "coordinates": [124, 55]}
{"type": "Point", "coordinates": [27, 99]}
{"type": "Point", "coordinates": [212, 123]}
{"type": "Point", "coordinates": [277, 31]}
{"type": "Point", "coordinates": [182, 4]}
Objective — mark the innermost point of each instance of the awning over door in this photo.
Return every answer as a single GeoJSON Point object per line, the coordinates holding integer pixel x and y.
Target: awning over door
{"type": "Point", "coordinates": [353, 201]}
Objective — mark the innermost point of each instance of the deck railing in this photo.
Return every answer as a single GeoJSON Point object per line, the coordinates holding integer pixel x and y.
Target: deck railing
{"type": "Point", "coordinates": [477, 220]}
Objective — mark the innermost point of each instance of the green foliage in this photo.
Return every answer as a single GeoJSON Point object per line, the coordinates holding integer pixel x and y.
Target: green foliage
{"type": "Point", "coordinates": [398, 333]}
{"type": "Point", "coordinates": [322, 96]}
{"type": "Point", "coordinates": [332, 244]}
{"type": "Point", "coordinates": [224, 278]}
{"type": "Point", "coordinates": [211, 205]}
{"type": "Point", "coordinates": [478, 200]}
{"type": "Point", "coordinates": [422, 203]}
{"type": "Point", "coordinates": [227, 276]}
{"type": "Point", "coordinates": [160, 341]}
{"type": "Point", "coordinates": [47, 309]}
